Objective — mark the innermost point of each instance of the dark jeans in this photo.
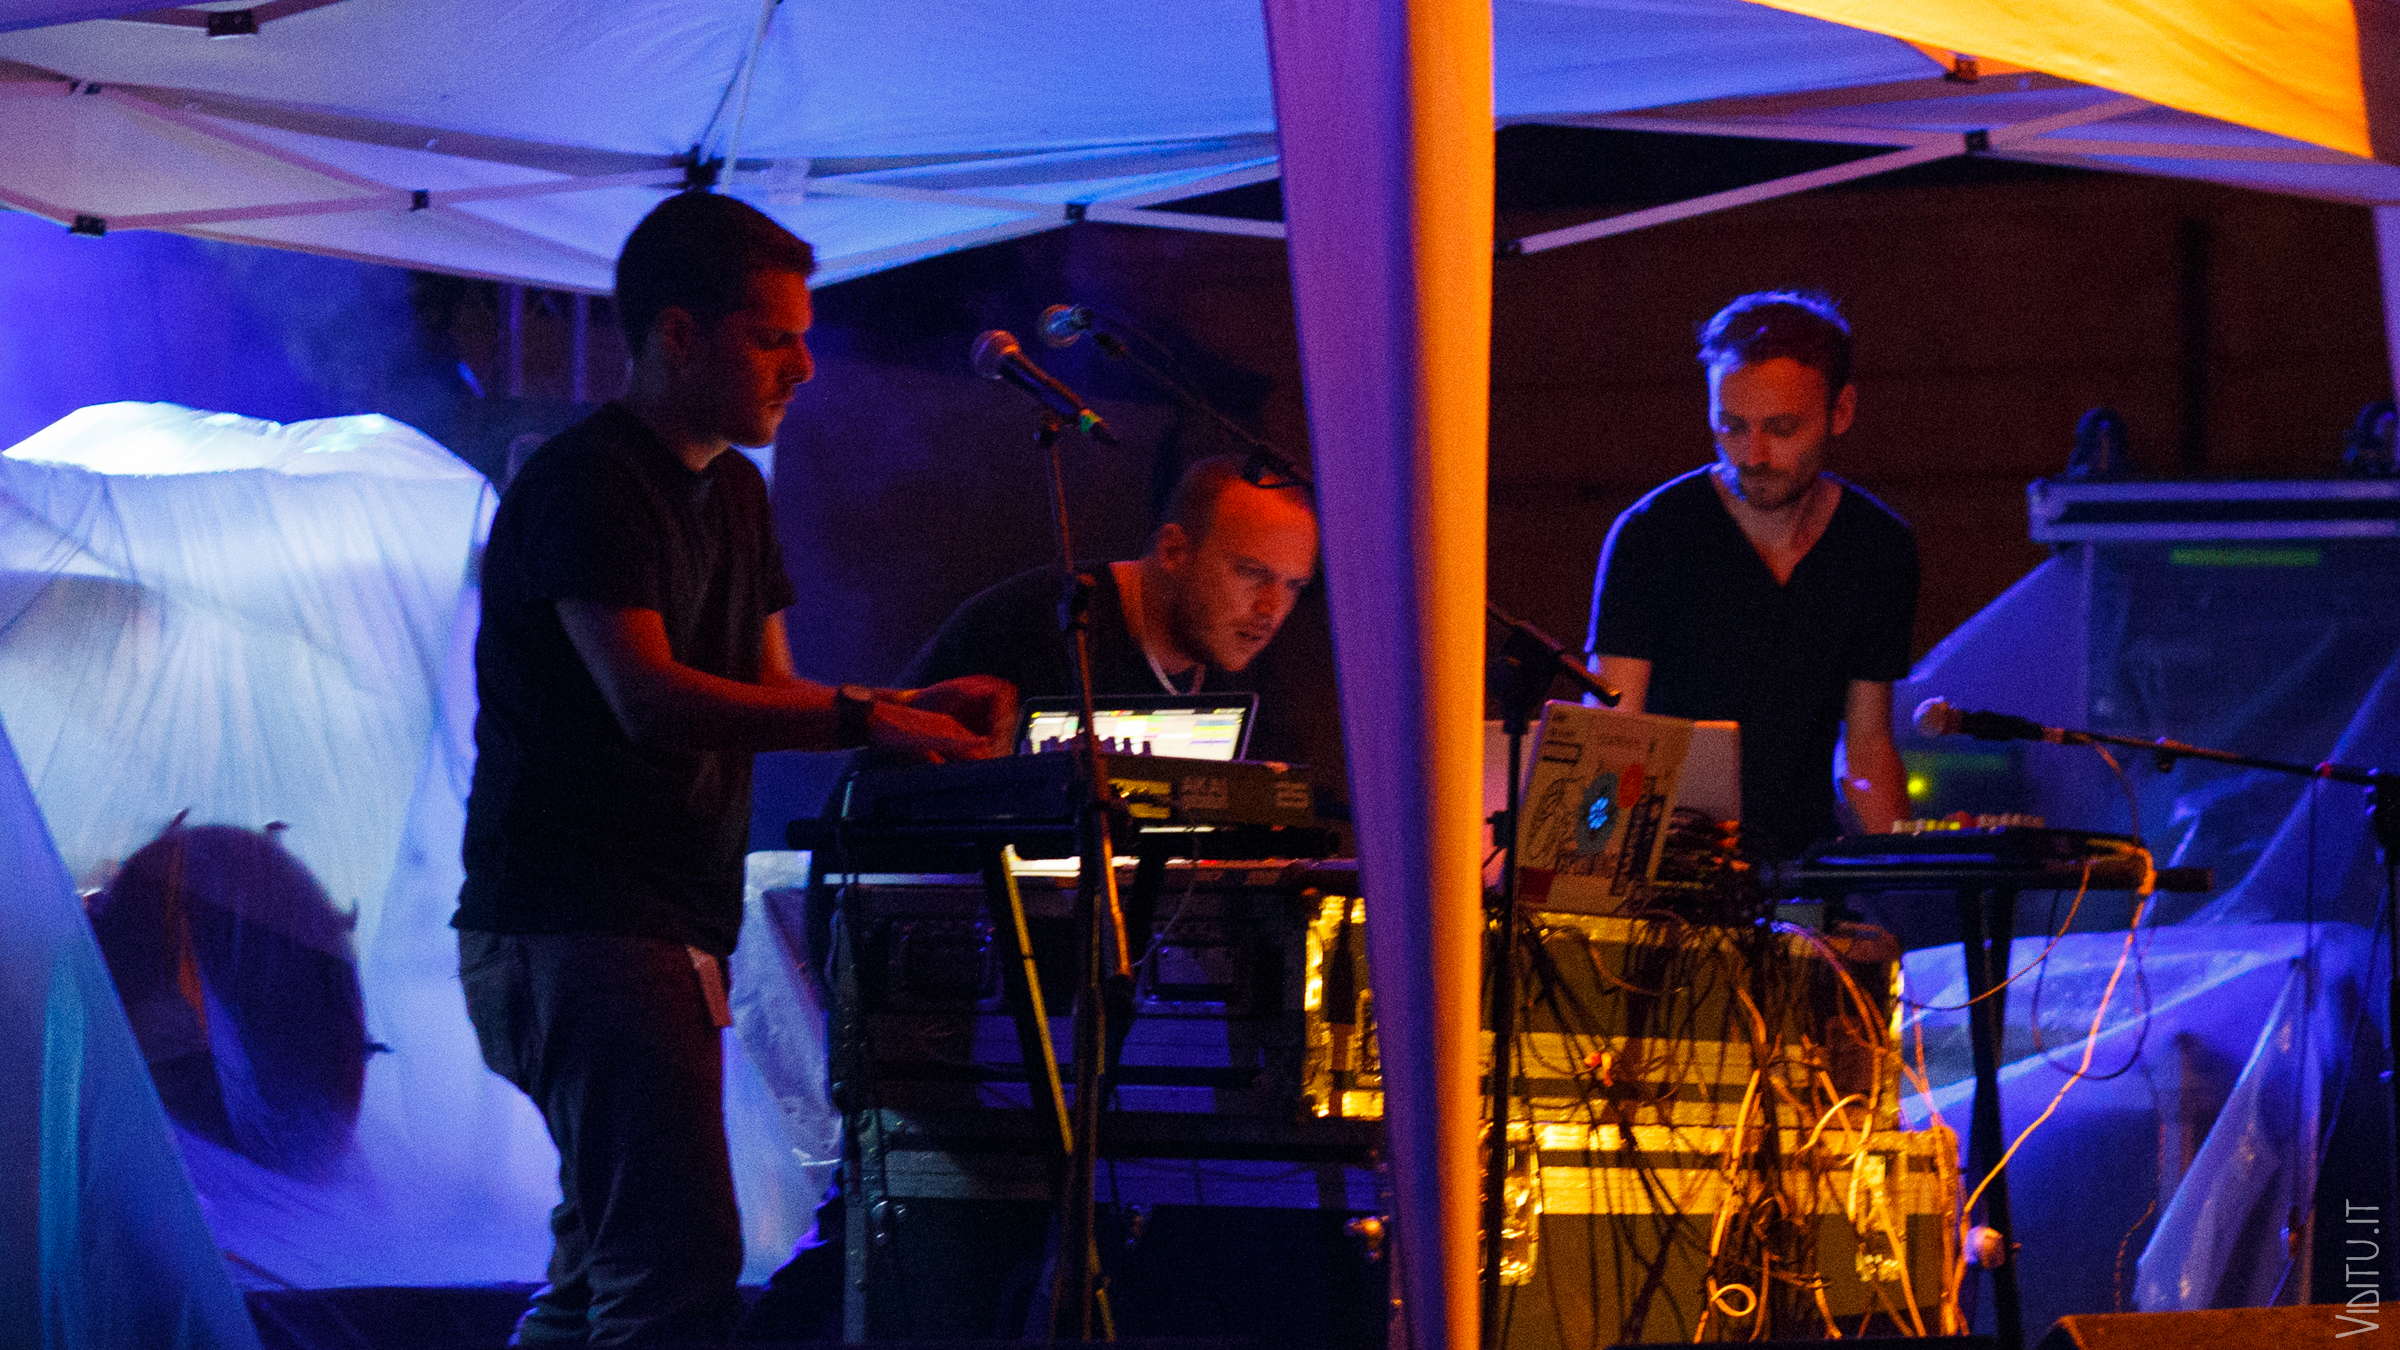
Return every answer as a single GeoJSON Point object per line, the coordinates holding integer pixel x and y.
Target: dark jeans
{"type": "Point", "coordinates": [611, 1037]}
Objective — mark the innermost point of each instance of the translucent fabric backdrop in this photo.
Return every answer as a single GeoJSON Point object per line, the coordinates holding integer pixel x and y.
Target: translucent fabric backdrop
{"type": "Point", "coordinates": [255, 623]}
{"type": "Point", "coordinates": [2181, 1171]}
{"type": "Point", "coordinates": [101, 1239]}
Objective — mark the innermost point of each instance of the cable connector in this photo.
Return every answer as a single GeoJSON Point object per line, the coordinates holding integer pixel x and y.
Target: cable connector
{"type": "Point", "coordinates": [699, 175]}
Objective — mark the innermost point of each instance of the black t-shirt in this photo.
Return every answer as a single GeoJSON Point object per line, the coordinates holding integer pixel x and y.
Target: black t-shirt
{"type": "Point", "coordinates": [1681, 587]}
{"type": "Point", "coordinates": [570, 826]}
{"type": "Point", "coordinates": [1011, 630]}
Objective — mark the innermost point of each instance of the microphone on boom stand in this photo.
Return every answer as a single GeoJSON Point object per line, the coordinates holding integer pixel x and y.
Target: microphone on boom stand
{"type": "Point", "coordinates": [1065, 325]}
{"type": "Point", "coordinates": [1524, 665]}
{"type": "Point", "coordinates": [997, 356]}
{"type": "Point", "coordinates": [1935, 717]}
{"type": "Point", "coordinates": [1542, 658]}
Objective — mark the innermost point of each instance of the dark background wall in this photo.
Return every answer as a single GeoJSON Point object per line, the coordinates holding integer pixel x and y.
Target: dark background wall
{"type": "Point", "coordinates": [2238, 333]}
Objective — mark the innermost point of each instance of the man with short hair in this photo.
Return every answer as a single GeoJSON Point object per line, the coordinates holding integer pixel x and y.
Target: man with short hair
{"type": "Point", "coordinates": [1765, 590]}
{"type": "Point", "coordinates": [631, 657]}
{"type": "Point", "coordinates": [1192, 615]}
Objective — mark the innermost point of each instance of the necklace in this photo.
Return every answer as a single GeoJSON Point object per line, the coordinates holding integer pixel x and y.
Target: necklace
{"type": "Point", "coordinates": [1129, 602]}
{"type": "Point", "coordinates": [1199, 673]}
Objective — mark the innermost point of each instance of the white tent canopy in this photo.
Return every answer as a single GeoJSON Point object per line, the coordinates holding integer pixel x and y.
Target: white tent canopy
{"type": "Point", "coordinates": [522, 142]}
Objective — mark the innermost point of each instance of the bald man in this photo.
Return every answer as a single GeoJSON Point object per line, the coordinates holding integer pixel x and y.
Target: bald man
{"type": "Point", "coordinates": [1195, 614]}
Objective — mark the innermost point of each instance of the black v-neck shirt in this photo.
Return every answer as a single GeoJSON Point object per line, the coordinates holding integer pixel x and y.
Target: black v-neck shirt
{"type": "Point", "coordinates": [1011, 630]}
{"type": "Point", "coordinates": [570, 825]}
{"type": "Point", "coordinates": [1680, 586]}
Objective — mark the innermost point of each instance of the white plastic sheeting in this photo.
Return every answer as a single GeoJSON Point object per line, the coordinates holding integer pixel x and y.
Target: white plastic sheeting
{"type": "Point", "coordinates": [2221, 1056]}
{"type": "Point", "coordinates": [2233, 1033]}
{"type": "Point", "coordinates": [260, 622]}
{"type": "Point", "coordinates": [256, 622]}
{"type": "Point", "coordinates": [255, 615]}
{"type": "Point", "coordinates": [99, 1204]}
{"type": "Point", "coordinates": [780, 1116]}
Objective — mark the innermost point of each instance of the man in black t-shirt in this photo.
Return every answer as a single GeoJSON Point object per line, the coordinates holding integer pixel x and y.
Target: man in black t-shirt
{"type": "Point", "coordinates": [1195, 614]}
{"type": "Point", "coordinates": [630, 659]}
{"type": "Point", "coordinates": [1764, 590]}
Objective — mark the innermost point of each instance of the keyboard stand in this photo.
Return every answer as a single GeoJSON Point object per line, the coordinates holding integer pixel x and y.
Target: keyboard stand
{"type": "Point", "coordinates": [1987, 925]}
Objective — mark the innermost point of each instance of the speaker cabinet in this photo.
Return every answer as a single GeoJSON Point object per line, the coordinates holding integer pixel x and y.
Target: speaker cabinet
{"type": "Point", "coordinates": [2222, 1329]}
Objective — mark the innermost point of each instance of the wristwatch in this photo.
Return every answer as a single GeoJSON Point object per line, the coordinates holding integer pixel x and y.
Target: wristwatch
{"type": "Point", "coordinates": [852, 705]}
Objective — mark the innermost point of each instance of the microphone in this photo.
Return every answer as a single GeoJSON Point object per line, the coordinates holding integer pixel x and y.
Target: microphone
{"type": "Point", "coordinates": [996, 356]}
{"type": "Point", "coordinates": [1935, 717]}
{"type": "Point", "coordinates": [1062, 324]}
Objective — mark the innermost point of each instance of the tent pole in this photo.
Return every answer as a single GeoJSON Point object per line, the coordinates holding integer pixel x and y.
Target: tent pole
{"type": "Point", "coordinates": [2387, 259]}
{"type": "Point", "coordinates": [1384, 110]}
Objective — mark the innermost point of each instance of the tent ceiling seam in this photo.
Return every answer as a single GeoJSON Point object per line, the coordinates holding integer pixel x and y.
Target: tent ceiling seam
{"type": "Point", "coordinates": [1861, 96]}
{"type": "Point", "coordinates": [19, 80]}
{"type": "Point", "coordinates": [744, 77]}
{"type": "Point", "coordinates": [35, 206]}
{"type": "Point", "coordinates": [2293, 153]}
{"type": "Point", "coordinates": [1630, 221]}
{"type": "Point", "coordinates": [1834, 133]}
{"type": "Point", "coordinates": [834, 187]}
{"type": "Point", "coordinates": [1223, 182]}
{"type": "Point", "coordinates": [392, 199]}
{"type": "Point", "coordinates": [2017, 132]}
{"type": "Point", "coordinates": [837, 270]}
{"type": "Point", "coordinates": [331, 206]}
{"type": "Point", "coordinates": [2036, 154]}
{"type": "Point", "coordinates": [551, 187]}
{"type": "Point", "coordinates": [1234, 146]}
{"type": "Point", "coordinates": [1942, 147]}
{"type": "Point", "coordinates": [211, 127]}
{"type": "Point", "coordinates": [489, 226]}
{"type": "Point", "coordinates": [224, 23]}
{"type": "Point", "coordinates": [1179, 220]}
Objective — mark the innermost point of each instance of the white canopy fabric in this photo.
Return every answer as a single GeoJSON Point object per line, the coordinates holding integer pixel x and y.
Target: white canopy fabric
{"type": "Point", "coordinates": [522, 142]}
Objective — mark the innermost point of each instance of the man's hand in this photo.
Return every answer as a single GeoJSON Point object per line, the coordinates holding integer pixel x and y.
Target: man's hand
{"type": "Point", "coordinates": [1866, 765]}
{"type": "Point", "coordinates": [971, 717]}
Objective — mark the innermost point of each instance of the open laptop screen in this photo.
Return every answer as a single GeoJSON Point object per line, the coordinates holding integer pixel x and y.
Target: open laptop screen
{"type": "Point", "coordinates": [1193, 726]}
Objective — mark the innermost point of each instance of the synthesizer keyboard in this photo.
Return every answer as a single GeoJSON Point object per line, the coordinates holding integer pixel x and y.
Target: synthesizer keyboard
{"type": "Point", "coordinates": [1189, 807]}
{"type": "Point", "coordinates": [2021, 857]}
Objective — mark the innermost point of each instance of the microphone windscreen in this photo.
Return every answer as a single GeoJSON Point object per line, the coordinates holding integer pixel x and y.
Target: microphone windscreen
{"type": "Point", "coordinates": [1062, 324]}
{"type": "Point", "coordinates": [991, 352]}
{"type": "Point", "coordinates": [1935, 717]}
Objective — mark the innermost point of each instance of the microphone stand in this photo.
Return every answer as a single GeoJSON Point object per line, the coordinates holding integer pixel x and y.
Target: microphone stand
{"type": "Point", "coordinates": [2383, 823]}
{"type": "Point", "coordinates": [1264, 461]}
{"type": "Point", "coordinates": [1530, 660]}
{"type": "Point", "coordinates": [1099, 918]}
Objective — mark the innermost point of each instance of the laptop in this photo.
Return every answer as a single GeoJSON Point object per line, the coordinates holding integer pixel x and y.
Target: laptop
{"type": "Point", "coordinates": [1601, 790]}
{"type": "Point", "coordinates": [1185, 726]}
